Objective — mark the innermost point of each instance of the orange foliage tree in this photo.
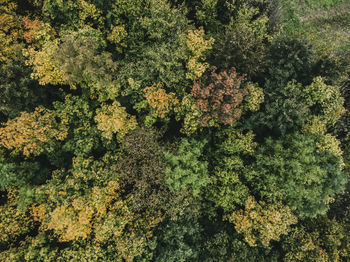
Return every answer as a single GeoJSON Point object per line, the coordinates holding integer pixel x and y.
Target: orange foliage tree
{"type": "Point", "coordinates": [219, 96]}
{"type": "Point", "coordinates": [29, 132]}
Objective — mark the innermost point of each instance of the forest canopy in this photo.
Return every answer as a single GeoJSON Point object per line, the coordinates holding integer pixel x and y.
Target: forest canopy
{"type": "Point", "coordinates": [174, 130]}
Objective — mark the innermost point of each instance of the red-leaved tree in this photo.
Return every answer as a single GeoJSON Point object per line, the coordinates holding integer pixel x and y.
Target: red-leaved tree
{"type": "Point", "coordinates": [219, 97]}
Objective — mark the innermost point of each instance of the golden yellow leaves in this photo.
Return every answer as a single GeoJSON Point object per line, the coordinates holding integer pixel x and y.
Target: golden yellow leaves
{"type": "Point", "coordinates": [10, 31]}
{"type": "Point", "coordinates": [79, 219]}
{"type": "Point", "coordinates": [13, 222]}
{"type": "Point", "coordinates": [29, 132]}
{"type": "Point", "coordinates": [197, 46]}
{"type": "Point", "coordinates": [160, 102]}
{"type": "Point", "coordinates": [89, 12]}
{"type": "Point", "coordinates": [102, 216]}
{"type": "Point", "coordinates": [315, 126]}
{"type": "Point", "coordinates": [113, 119]}
{"type": "Point", "coordinates": [331, 144]}
{"type": "Point", "coordinates": [260, 222]}
{"type": "Point", "coordinates": [191, 114]}
{"type": "Point", "coordinates": [66, 223]}
{"type": "Point", "coordinates": [254, 98]}
{"type": "Point", "coordinates": [43, 48]}
{"type": "Point", "coordinates": [44, 67]}
{"type": "Point", "coordinates": [325, 142]}
{"type": "Point", "coordinates": [327, 98]}
{"type": "Point", "coordinates": [38, 212]}
{"type": "Point", "coordinates": [117, 36]}
{"type": "Point", "coordinates": [37, 32]}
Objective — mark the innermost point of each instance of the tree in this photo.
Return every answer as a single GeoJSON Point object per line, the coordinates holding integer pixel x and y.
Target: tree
{"type": "Point", "coordinates": [319, 239]}
{"type": "Point", "coordinates": [228, 189]}
{"type": "Point", "coordinates": [113, 119]}
{"type": "Point", "coordinates": [297, 172]}
{"type": "Point", "coordinates": [185, 170]}
{"type": "Point", "coordinates": [260, 223]}
{"type": "Point", "coordinates": [31, 133]}
{"type": "Point", "coordinates": [219, 97]}
{"type": "Point", "coordinates": [179, 241]}
{"type": "Point", "coordinates": [243, 44]}
{"type": "Point", "coordinates": [291, 108]}
{"type": "Point", "coordinates": [22, 174]}
{"type": "Point", "coordinates": [99, 214]}
{"type": "Point", "coordinates": [14, 223]}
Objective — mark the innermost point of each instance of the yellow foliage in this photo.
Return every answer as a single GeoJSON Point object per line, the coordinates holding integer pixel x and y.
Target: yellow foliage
{"type": "Point", "coordinates": [37, 32]}
{"type": "Point", "coordinates": [254, 98]}
{"type": "Point", "coordinates": [38, 212]}
{"type": "Point", "coordinates": [117, 35]}
{"type": "Point", "coordinates": [78, 220]}
{"type": "Point", "coordinates": [327, 97]}
{"type": "Point", "coordinates": [29, 132]}
{"type": "Point", "coordinates": [89, 12]}
{"type": "Point", "coordinates": [113, 119]}
{"type": "Point", "coordinates": [197, 46]}
{"type": "Point", "coordinates": [102, 216]}
{"type": "Point", "coordinates": [188, 111]}
{"type": "Point", "coordinates": [326, 142]}
{"type": "Point", "coordinates": [160, 102]}
{"type": "Point", "coordinates": [331, 144]}
{"type": "Point", "coordinates": [315, 126]}
{"type": "Point", "coordinates": [11, 31]}
{"type": "Point", "coordinates": [13, 223]}
{"type": "Point", "coordinates": [63, 220]}
{"type": "Point", "coordinates": [262, 223]}
{"type": "Point", "coordinates": [44, 68]}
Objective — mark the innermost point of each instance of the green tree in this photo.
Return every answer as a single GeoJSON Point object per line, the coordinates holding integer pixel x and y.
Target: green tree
{"type": "Point", "coordinates": [228, 189]}
{"type": "Point", "coordinates": [243, 44]}
{"type": "Point", "coordinates": [185, 168]}
{"type": "Point", "coordinates": [298, 173]}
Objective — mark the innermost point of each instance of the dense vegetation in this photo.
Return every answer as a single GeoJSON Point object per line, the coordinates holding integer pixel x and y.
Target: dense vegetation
{"type": "Point", "coordinates": [174, 130]}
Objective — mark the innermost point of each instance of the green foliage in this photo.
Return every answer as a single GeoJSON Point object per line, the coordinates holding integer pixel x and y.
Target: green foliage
{"type": "Point", "coordinates": [19, 92]}
{"type": "Point", "coordinates": [293, 170]}
{"type": "Point", "coordinates": [179, 241]}
{"type": "Point", "coordinates": [222, 243]}
{"type": "Point", "coordinates": [290, 58]}
{"type": "Point", "coordinates": [243, 44]}
{"type": "Point", "coordinates": [291, 107]}
{"type": "Point", "coordinates": [228, 190]}
{"type": "Point", "coordinates": [83, 63]}
{"type": "Point", "coordinates": [159, 55]}
{"type": "Point", "coordinates": [119, 140]}
{"type": "Point", "coordinates": [141, 168]}
{"type": "Point", "coordinates": [205, 12]}
{"type": "Point", "coordinates": [14, 174]}
{"type": "Point", "coordinates": [283, 110]}
{"type": "Point", "coordinates": [186, 170]}
{"type": "Point", "coordinates": [72, 14]}
{"type": "Point", "coordinates": [77, 114]}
